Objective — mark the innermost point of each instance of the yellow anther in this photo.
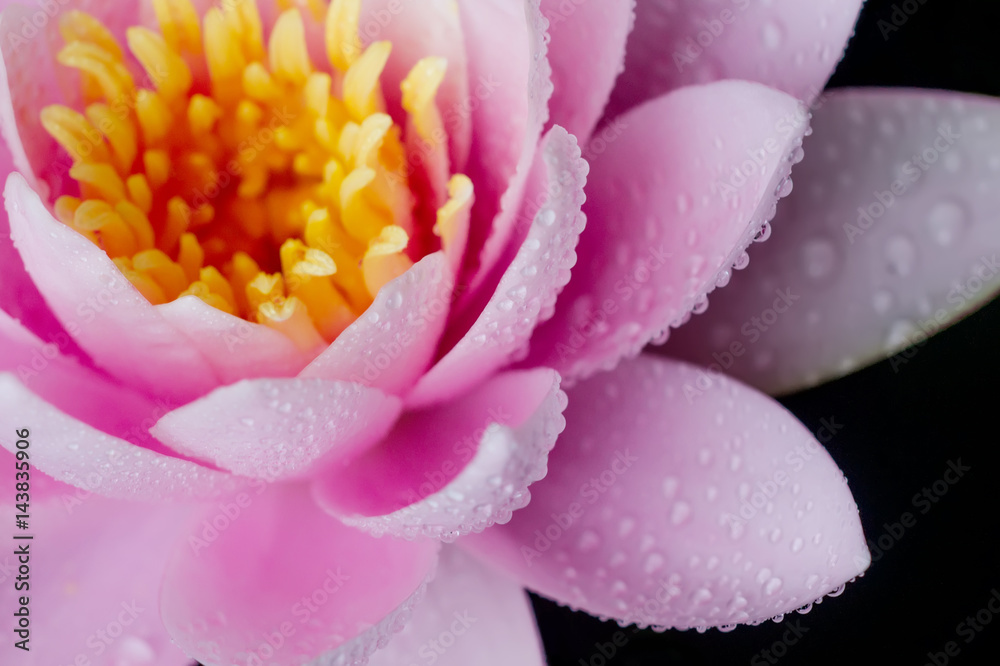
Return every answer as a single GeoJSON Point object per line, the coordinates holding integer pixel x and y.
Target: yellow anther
{"type": "Point", "coordinates": [244, 19]}
{"type": "Point", "coordinates": [317, 93]}
{"type": "Point", "coordinates": [156, 164]}
{"type": "Point", "coordinates": [453, 217]}
{"type": "Point", "coordinates": [343, 45]}
{"type": "Point", "coordinates": [240, 271]}
{"type": "Point", "coordinates": [178, 221]}
{"type": "Point", "coordinates": [202, 113]}
{"type": "Point", "coordinates": [155, 118]}
{"type": "Point", "coordinates": [205, 293]}
{"type": "Point", "coordinates": [166, 70]}
{"type": "Point", "coordinates": [99, 217]}
{"type": "Point", "coordinates": [362, 92]}
{"type": "Point", "coordinates": [258, 84]}
{"type": "Point", "coordinates": [385, 261]}
{"type": "Point", "coordinates": [111, 75]}
{"type": "Point", "coordinates": [65, 208]}
{"type": "Point", "coordinates": [77, 26]}
{"type": "Point", "coordinates": [361, 217]}
{"type": "Point", "coordinates": [102, 179]}
{"type": "Point", "coordinates": [178, 22]}
{"type": "Point", "coordinates": [75, 134]}
{"type": "Point", "coordinates": [138, 191]}
{"type": "Point", "coordinates": [169, 275]}
{"type": "Point", "coordinates": [191, 256]}
{"type": "Point", "coordinates": [370, 138]}
{"type": "Point", "coordinates": [120, 133]}
{"type": "Point", "coordinates": [217, 284]}
{"type": "Point", "coordinates": [224, 56]}
{"type": "Point", "coordinates": [289, 58]}
{"type": "Point", "coordinates": [145, 284]}
{"type": "Point", "coordinates": [290, 316]}
{"type": "Point", "coordinates": [420, 87]}
{"type": "Point", "coordinates": [265, 288]}
{"type": "Point", "coordinates": [137, 223]}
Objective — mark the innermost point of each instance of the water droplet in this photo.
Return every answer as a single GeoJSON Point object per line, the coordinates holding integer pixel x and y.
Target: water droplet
{"type": "Point", "coordinates": [394, 301]}
{"type": "Point", "coordinates": [882, 301]}
{"type": "Point", "coordinates": [797, 544]}
{"type": "Point", "coordinates": [589, 541]}
{"type": "Point", "coordinates": [901, 255]}
{"type": "Point", "coordinates": [626, 526]}
{"type": "Point", "coordinates": [946, 222]}
{"type": "Point", "coordinates": [772, 586]}
{"type": "Point", "coordinates": [742, 261]}
{"type": "Point", "coordinates": [547, 218]}
{"type": "Point", "coordinates": [683, 206]}
{"type": "Point", "coordinates": [820, 258]}
{"type": "Point", "coordinates": [653, 562]}
{"type": "Point", "coordinates": [670, 487]}
{"type": "Point", "coordinates": [764, 233]}
{"type": "Point", "coordinates": [680, 513]}
{"type": "Point", "coordinates": [899, 336]}
{"type": "Point", "coordinates": [771, 35]}
{"type": "Point", "coordinates": [701, 596]}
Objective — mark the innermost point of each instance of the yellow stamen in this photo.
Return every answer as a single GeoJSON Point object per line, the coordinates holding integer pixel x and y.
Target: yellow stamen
{"type": "Point", "coordinates": [420, 87]}
{"type": "Point", "coordinates": [238, 155]}
{"type": "Point", "coordinates": [287, 49]}
{"type": "Point", "coordinates": [362, 92]}
{"type": "Point", "coordinates": [343, 46]}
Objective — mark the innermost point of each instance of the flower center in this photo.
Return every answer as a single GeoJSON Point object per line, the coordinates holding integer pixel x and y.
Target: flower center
{"type": "Point", "coordinates": [240, 172]}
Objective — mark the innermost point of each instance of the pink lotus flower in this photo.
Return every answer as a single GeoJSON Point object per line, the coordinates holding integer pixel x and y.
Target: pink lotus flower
{"type": "Point", "coordinates": [300, 292]}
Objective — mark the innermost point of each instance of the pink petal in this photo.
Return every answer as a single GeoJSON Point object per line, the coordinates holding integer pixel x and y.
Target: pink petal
{"type": "Point", "coordinates": [525, 293]}
{"type": "Point", "coordinates": [276, 428]}
{"type": "Point", "coordinates": [234, 348]}
{"type": "Point", "coordinates": [855, 272]}
{"type": "Point", "coordinates": [671, 205]}
{"type": "Point", "coordinates": [679, 500]}
{"type": "Point", "coordinates": [587, 52]}
{"type": "Point", "coordinates": [391, 345]}
{"type": "Point", "coordinates": [103, 312]}
{"type": "Point", "coordinates": [469, 616]}
{"type": "Point", "coordinates": [419, 30]}
{"type": "Point", "coordinates": [453, 469]}
{"type": "Point", "coordinates": [18, 295]}
{"type": "Point", "coordinates": [96, 568]}
{"type": "Point", "coordinates": [510, 86]}
{"type": "Point", "coordinates": [83, 456]}
{"type": "Point", "coordinates": [790, 45]}
{"type": "Point", "coordinates": [78, 391]}
{"type": "Point", "coordinates": [285, 583]}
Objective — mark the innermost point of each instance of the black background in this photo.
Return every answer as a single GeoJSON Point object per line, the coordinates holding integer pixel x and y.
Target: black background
{"type": "Point", "coordinates": [900, 430]}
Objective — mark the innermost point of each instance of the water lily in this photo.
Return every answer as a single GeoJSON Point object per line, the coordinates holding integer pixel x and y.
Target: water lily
{"type": "Point", "coordinates": [297, 294]}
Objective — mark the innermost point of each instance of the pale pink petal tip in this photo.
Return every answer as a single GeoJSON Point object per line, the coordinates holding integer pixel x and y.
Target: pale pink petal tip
{"type": "Point", "coordinates": [279, 428]}
{"type": "Point", "coordinates": [889, 237]}
{"type": "Point", "coordinates": [460, 478]}
{"type": "Point", "coordinates": [681, 499]}
{"type": "Point", "coordinates": [673, 203]}
{"type": "Point", "coordinates": [82, 456]}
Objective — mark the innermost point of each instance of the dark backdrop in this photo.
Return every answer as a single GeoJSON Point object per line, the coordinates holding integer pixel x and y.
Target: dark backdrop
{"type": "Point", "coordinates": [900, 431]}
